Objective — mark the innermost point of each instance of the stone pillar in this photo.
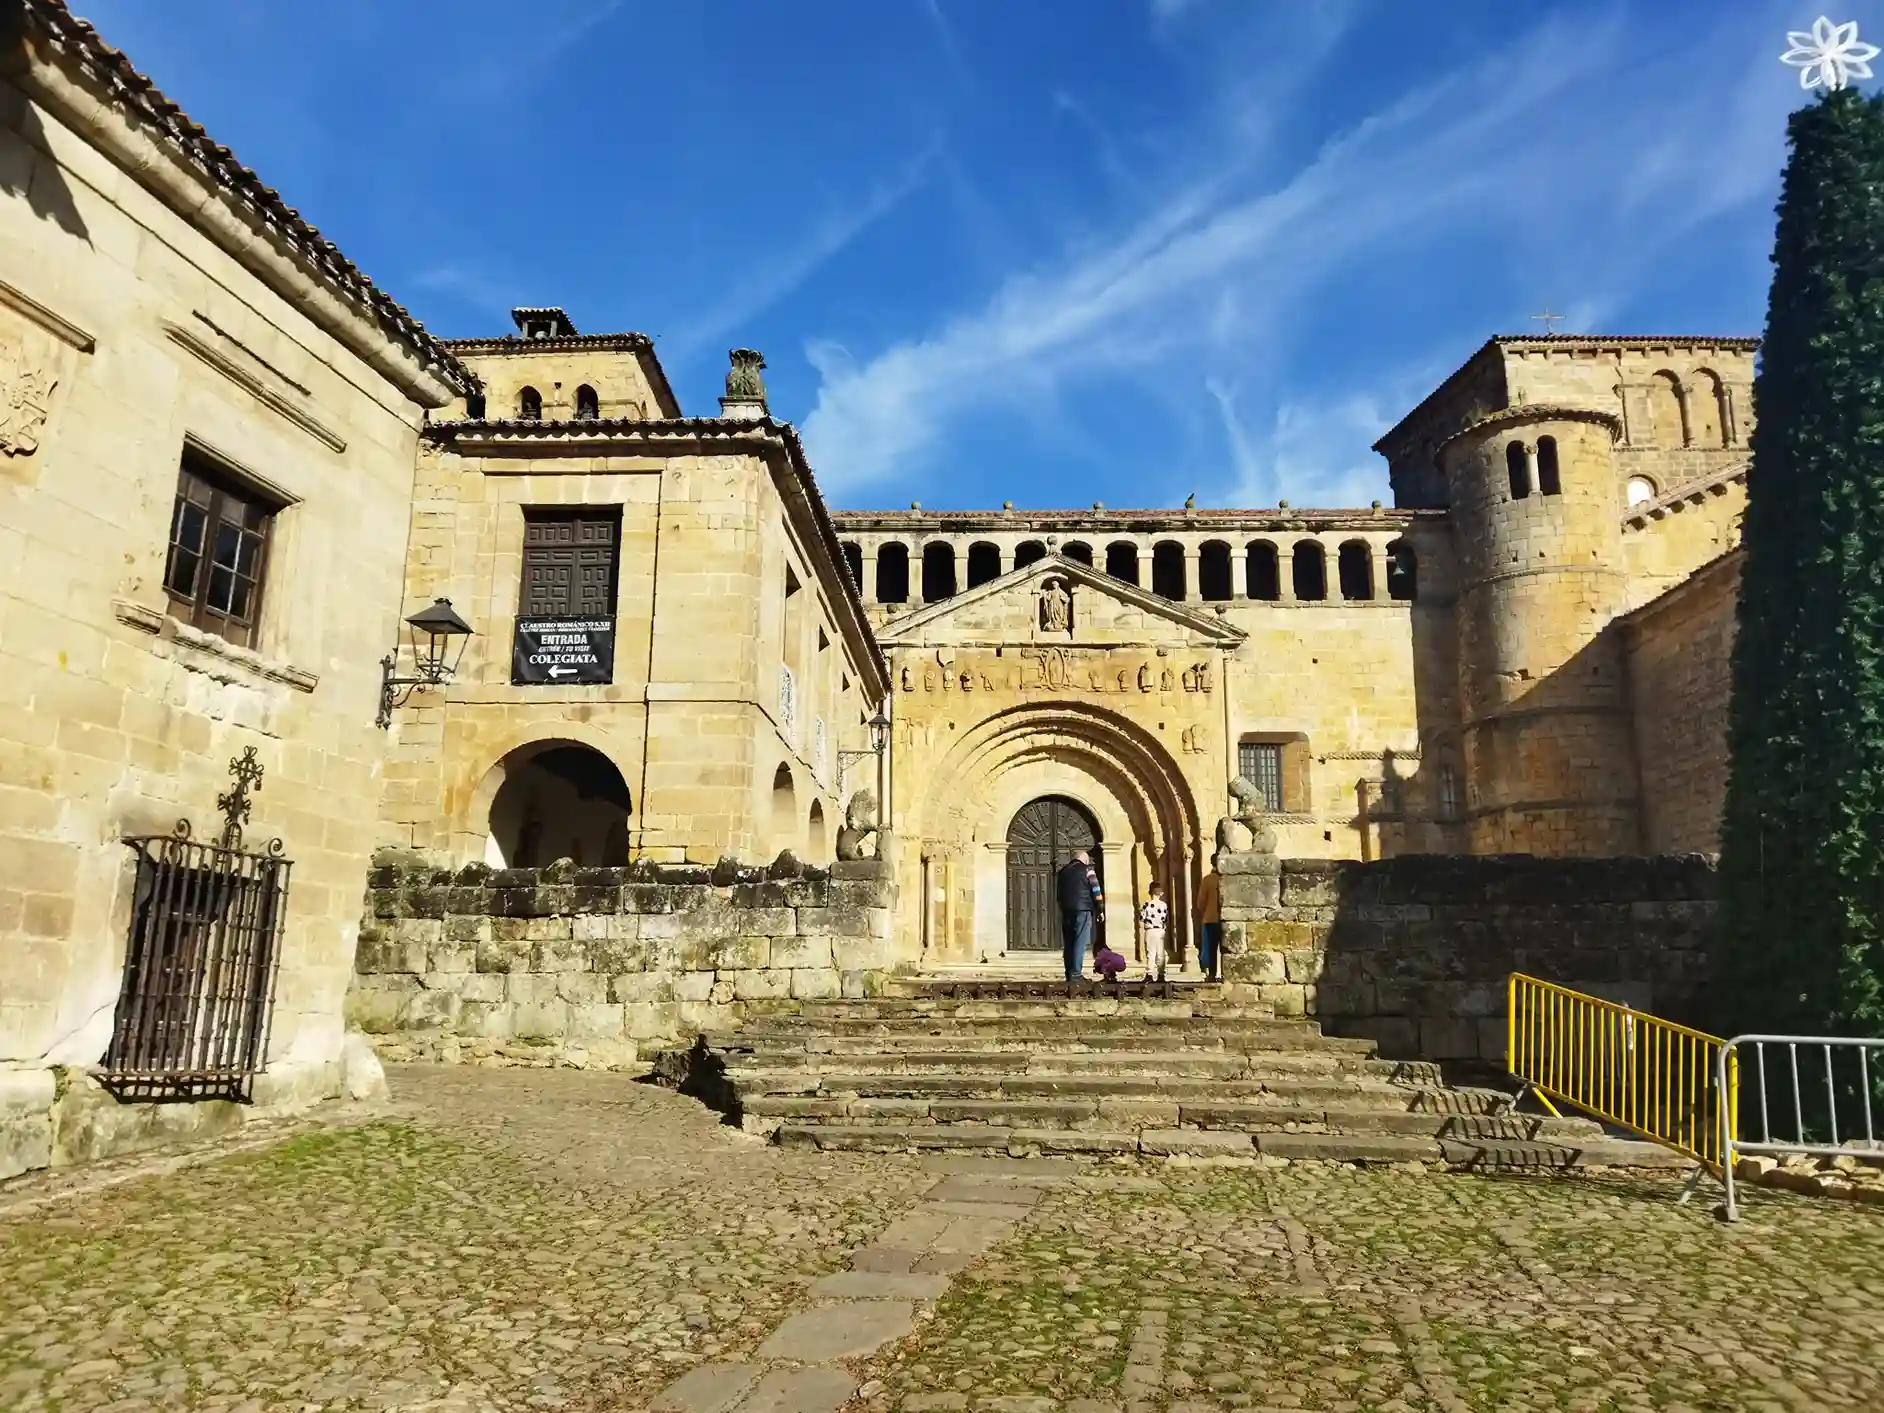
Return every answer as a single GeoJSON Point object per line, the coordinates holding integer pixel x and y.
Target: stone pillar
{"type": "Point", "coordinates": [1530, 468]}
{"type": "Point", "coordinates": [1251, 893]}
{"type": "Point", "coordinates": [1193, 582]}
{"type": "Point", "coordinates": [1285, 572]}
{"type": "Point", "coordinates": [1380, 572]}
{"type": "Point", "coordinates": [867, 591]}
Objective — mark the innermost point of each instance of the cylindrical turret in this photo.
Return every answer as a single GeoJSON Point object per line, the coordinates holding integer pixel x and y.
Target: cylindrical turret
{"type": "Point", "coordinates": [1549, 753]}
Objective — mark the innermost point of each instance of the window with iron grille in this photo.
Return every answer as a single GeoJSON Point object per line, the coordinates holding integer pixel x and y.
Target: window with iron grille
{"type": "Point", "coordinates": [787, 702]}
{"type": "Point", "coordinates": [218, 552]}
{"type": "Point", "coordinates": [1448, 793]}
{"type": "Point", "coordinates": [1260, 763]}
{"type": "Point", "coordinates": [570, 563]}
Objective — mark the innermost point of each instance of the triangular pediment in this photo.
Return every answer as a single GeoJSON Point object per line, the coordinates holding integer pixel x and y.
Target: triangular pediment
{"type": "Point", "coordinates": [1023, 606]}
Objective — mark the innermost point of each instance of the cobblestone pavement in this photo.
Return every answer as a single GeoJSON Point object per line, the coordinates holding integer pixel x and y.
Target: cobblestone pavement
{"type": "Point", "coordinates": [1332, 1288]}
{"type": "Point", "coordinates": [521, 1239]}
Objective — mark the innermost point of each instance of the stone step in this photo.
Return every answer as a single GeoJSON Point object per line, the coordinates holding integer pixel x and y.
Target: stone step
{"type": "Point", "coordinates": [1011, 1040]}
{"type": "Point", "coordinates": [1123, 1064]}
{"type": "Point", "coordinates": [1171, 1064]}
{"type": "Point", "coordinates": [890, 1008]}
{"type": "Point", "coordinates": [1273, 1089]}
{"type": "Point", "coordinates": [1346, 1148]}
{"type": "Point", "coordinates": [1020, 987]}
{"type": "Point", "coordinates": [1170, 1029]}
{"type": "Point", "coordinates": [763, 1113]}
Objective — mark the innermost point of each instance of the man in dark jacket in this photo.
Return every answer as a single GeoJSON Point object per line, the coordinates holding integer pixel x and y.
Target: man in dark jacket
{"type": "Point", "coordinates": [1081, 902]}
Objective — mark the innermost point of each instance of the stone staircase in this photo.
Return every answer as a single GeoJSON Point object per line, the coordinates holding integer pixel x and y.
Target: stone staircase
{"type": "Point", "coordinates": [1026, 1068]}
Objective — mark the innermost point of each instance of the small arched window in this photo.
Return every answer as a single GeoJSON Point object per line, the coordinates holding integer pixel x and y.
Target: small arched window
{"type": "Point", "coordinates": [1078, 551]}
{"type": "Point", "coordinates": [530, 405]}
{"type": "Point", "coordinates": [1548, 482]}
{"type": "Point", "coordinates": [1261, 571]}
{"type": "Point", "coordinates": [1167, 570]}
{"type": "Point", "coordinates": [938, 571]}
{"type": "Point", "coordinates": [588, 405]}
{"type": "Point", "coordinates": [1310, 566]}
{"type": "Point", "coordinates": [1214, 580]}
{"type": "Point", "coordinates": [1519, 473]}
{"type": "Point", "coordinates": [1122, 561]}
{"type": "Point", "coordinates": [1029, 552]}
{"type": "Point", "coordinates": [1403, 572]}
{"type": "Point", "coordinates": [474, 405]}
{"type": "Point", "coordinates": [1641, 490]}
{"type": "Point", "coordinates": [1355, 566]}
{"type": "Point", "coordinates": [984, 563]}
{"type": "Point", "coordinates": [853, 561]}
{"type": "Point", "coordinates": [893, 573]}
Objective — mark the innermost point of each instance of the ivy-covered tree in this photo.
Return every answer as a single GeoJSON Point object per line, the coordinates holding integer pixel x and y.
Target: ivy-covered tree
{"type": "Point", "coordinates": [1801, 946]}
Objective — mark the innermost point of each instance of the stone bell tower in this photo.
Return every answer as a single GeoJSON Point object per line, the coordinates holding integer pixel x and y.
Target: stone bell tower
{"type": "Point", "coordinates": [1549, 753]}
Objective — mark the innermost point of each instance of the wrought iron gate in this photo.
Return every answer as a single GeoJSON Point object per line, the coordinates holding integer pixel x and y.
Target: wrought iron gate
{"type": "Point", "coordinates": [199, 970]}
{"type": "Point", "coordinates": [1042, 837]}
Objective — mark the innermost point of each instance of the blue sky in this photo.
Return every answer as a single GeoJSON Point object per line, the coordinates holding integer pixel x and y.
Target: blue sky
{"type": "Point", "coordinates": [1047, 251]}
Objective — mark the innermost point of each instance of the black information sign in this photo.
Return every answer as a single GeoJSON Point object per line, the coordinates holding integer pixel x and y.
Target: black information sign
{"type": "Point", "coordinates": [563, 652]}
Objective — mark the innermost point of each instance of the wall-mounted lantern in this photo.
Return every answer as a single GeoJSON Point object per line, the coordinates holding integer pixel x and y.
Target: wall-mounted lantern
{"type": "Point", "coordinates": [440, 624]}
{"type": "Point", "coordinates": [879, 728]}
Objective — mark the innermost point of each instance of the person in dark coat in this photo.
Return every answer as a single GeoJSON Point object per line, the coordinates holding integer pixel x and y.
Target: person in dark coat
{"type": "Point", "coordinates": [1081, 903]}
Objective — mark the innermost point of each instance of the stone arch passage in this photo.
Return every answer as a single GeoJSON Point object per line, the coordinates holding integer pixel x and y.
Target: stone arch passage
{"type": "Point", "coordinates": [817, 847]}
{"type": "Point", "coordinates": [784, 811]}
{"type": "Point", "coordinates": [1042, 837]}
{"type": "Point", "coordinates": [558, 800]}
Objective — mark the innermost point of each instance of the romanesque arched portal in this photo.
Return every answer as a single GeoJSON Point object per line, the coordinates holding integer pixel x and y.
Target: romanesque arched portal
{"type": "Point", "coordinates": [973, 812]}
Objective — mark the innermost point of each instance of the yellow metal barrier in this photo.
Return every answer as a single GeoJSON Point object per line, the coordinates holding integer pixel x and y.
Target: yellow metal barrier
{"type": "Point", "coordinates": [1622, 1065]}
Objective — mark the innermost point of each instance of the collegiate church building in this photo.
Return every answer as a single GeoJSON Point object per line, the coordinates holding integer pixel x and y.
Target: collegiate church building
{"type": "Point", "coordinates": [286, 579]}
{"type": "Point", "coordinates": [1510, 660]}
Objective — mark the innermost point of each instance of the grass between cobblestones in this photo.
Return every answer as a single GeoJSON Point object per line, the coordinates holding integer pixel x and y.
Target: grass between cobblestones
{"type": "Point", "coordinates": [574, 1242]}
{"type": "Point", "coordinates": [558, 1240]}
{"type": "Point", "coordinates": [1411, 1291]}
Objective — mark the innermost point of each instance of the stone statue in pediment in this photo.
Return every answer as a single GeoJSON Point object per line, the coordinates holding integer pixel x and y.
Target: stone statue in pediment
{"type": "Point", "coordinates": [1056, 607]}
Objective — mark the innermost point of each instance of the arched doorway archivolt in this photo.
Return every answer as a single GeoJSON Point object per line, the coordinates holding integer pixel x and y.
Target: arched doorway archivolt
{"type": "Point", "coordinates": [1120, 773]}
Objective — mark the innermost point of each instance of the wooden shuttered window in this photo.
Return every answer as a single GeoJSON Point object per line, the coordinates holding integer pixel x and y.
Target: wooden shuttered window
{"type": "Point", "coordinates": [218, 552]}
{"type": "Point", "coordinates": [570, 563]}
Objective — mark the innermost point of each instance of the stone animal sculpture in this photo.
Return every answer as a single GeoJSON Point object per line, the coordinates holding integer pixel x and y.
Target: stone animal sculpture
{"type": "Point", "coordinates": [857, 836]}
{"type": "Point", "coordinates": [1245, 831]}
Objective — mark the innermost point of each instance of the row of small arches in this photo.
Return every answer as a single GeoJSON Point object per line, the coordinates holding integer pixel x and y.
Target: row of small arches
{"type": "Point", "coordinates": [530, 405]}
{"type": "Point", "coordinates": [1216, 569]}
{"type": "Point", "coordinates": [1698, 412]}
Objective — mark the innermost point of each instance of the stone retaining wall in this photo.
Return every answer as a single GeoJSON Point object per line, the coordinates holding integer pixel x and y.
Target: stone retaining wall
{"type": "Point", "coordinates": [1415, 951]}
{"type": "Point", "coordinates": [600, 966]}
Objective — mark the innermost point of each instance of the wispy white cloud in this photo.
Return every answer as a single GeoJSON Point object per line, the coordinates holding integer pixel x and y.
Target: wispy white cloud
{"type": "Point", "coordinates": [1230, 263]}
{"type": "Point", "coordinates": [768, 281]}
{"type": "Point", "coordinates": [1131, 300]}
{"type": "Point", "coordinates": [945, 34]}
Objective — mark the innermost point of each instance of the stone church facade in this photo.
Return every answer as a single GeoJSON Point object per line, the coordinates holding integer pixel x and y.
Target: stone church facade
{"type": "Point", "coordinates": [1510, 660]}
{"type": "Point", "coordinates": [230, 467]}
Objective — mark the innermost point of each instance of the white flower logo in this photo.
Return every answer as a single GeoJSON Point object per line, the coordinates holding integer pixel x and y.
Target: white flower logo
{"type": "Point", "coordinates": [1829, 54]}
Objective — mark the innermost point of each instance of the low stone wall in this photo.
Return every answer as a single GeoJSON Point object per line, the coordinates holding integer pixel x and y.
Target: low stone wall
{"type": "Point", "coordinates": [601, 966]}
{"type": "Point", "coordinates": [1414, 952]}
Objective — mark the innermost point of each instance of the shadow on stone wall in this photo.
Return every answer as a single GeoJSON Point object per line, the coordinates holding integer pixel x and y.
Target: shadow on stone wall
{"type": "Point", "coordinates": [1415, 952]}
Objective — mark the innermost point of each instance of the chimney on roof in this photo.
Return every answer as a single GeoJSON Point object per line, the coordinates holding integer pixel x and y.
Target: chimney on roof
{"type": "Point", "coordinates": [745, 387]}
{"type": "Point", "coordinates": [542, 323]}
